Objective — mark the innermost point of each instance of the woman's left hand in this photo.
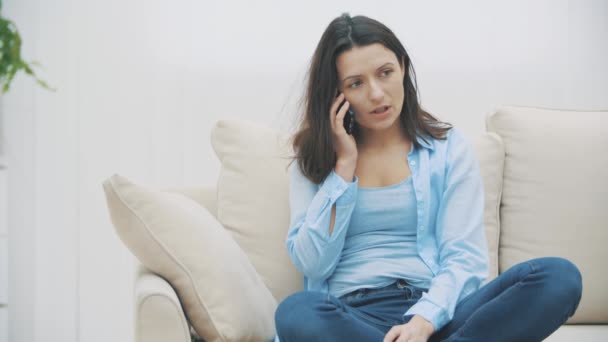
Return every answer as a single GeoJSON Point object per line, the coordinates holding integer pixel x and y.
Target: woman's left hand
{"type": "Point", "coordinates": [417, 329]}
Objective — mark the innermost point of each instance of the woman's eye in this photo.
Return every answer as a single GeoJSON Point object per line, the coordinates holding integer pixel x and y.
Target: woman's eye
{"type": "Point", "coordinates": [352, 84]}
{"type": "Point", "coordinates": [385, 72]}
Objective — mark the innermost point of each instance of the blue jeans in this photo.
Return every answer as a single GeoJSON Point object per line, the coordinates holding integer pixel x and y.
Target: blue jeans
{"type": "Point", "coordinates": [527, 302]}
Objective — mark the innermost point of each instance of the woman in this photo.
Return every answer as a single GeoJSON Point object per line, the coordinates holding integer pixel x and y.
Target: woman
{"type": "Point", "coordinates": [387, 222]}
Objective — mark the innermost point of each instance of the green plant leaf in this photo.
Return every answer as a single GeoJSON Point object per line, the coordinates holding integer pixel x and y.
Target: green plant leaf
{"type": "Point", "coordinates": [10, 56]}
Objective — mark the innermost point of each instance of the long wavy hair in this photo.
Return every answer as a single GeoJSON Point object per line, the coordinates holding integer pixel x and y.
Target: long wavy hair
{"type": "Point", "coordinates": [312, 142]}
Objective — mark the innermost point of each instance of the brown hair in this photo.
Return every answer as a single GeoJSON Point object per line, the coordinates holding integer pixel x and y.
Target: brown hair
{"type": "Point", "coordinates": [312, 142]}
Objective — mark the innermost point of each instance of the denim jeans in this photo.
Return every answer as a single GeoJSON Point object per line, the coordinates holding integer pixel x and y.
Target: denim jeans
{"type": "Point", "coordinates": [527, 302]}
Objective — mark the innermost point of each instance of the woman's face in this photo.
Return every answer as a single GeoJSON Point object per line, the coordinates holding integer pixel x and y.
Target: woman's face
{"type": "Point", "coordinates": [369, 77]}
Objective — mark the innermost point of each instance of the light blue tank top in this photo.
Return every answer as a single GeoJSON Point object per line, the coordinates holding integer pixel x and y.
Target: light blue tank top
{"type": "Point", "coordinates": [380, 244]}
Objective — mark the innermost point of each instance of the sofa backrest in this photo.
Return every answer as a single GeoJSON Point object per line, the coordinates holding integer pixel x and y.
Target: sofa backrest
{"type": "Point", "coordinates": [490, 153]}
{"type": "Point", "coordinates": [555, 194]}
{"type": "Point", "coordinates": [253, 198]}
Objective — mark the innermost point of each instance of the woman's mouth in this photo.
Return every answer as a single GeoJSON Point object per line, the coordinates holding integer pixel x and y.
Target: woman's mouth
{"type": "Point", "coordinates": [382, 111]}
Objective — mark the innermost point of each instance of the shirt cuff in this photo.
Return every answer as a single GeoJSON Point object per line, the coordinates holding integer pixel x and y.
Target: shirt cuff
{"type": "Point", "coordinates": [429, 311]}
{"type": "Point", "coordinates": [339, 190]}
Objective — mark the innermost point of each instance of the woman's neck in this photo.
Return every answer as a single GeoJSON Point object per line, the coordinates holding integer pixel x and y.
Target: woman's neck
{"type": "Point", "coordinates": [378, 141]}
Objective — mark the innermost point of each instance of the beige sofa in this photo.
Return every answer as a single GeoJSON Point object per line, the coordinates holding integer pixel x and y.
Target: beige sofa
{"type": "Point", "coordinates": [546, 193]}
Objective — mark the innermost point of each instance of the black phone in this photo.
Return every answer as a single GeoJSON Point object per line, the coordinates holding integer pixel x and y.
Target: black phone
{"type": "Point", "coordinates": [349, 121]}
{"type": "Point", "coordinates": [349, 118]}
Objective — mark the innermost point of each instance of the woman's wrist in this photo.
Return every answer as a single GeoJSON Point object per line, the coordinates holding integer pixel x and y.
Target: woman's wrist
{"type": "Point", "coordinates": [428, 326]}
{"type": "Point", "coordinates": [346, 169]}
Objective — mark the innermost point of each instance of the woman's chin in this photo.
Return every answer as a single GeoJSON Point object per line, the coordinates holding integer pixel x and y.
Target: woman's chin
{"type": "Point", "coordinates": [378, 126]}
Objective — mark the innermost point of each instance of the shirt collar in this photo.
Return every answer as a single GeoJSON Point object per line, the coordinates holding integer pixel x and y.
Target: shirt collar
{"type": "Point", "coordinates": [425, 143]}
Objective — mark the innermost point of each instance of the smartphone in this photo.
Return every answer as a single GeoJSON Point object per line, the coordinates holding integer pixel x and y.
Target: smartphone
{"type": "Point", "coordinates": [349, 121]}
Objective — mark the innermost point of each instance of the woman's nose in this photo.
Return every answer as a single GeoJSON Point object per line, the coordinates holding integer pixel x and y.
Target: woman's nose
{"type": "Point", "coordinates": [376, 91]}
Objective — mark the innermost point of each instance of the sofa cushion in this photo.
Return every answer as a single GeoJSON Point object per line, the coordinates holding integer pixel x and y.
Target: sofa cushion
{"type": "Point", "coordinates": [554, 194]}
{"type": "Point", "coordinates": [253, 198]}
{"type": "Point", "coordinates": [172, 235]}
{"type": "Point", "coordinates": [490, 152]}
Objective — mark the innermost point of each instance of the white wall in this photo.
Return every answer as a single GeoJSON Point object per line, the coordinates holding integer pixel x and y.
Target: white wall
{"type": "Point", "coordinates": [140, 84]}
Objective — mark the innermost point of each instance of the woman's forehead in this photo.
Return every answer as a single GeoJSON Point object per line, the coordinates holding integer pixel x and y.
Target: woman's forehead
{"type": "Point", "coordinates": [363, 59]}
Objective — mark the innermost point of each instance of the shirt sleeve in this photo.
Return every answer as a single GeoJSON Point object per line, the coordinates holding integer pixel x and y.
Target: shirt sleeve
{"type": "Point", "coordinates": [312, 249]}
{"type": "Point", "coordinates": [460, 235]}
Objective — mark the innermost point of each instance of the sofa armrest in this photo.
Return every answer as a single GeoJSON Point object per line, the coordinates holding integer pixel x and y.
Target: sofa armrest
{"type": "Point", "coordinates": [159, 316]}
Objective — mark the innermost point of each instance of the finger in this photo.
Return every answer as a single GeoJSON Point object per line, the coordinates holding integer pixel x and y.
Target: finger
{"type": "Point", "coordinates": [404, 335]}
{"type": "Point", "coordinates": [403, 338]}
{"type": "Point", "coordinates": [340, 117]}
{"type": "Point", "coordinates": [391, 335]}
{"type": "Point", "coordinates": [334, 108]}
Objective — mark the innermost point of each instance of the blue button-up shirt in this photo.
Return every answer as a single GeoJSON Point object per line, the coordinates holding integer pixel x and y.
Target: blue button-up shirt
{"type": "Point", "coordinates": [451, 238]}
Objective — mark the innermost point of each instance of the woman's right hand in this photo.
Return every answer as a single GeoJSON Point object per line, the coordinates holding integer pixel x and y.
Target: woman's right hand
{"type": "Point", "coordinates": [346, 146]}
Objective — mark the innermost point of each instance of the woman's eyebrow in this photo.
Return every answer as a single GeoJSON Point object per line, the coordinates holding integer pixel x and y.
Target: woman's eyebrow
{"type": "Point", "coordinates": [382, 66]}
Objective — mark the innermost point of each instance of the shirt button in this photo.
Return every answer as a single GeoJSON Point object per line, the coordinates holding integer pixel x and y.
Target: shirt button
{"type": "Point", "coordinates": [421, 227]}
{"type": "Point", "coordinates": [413, 162]}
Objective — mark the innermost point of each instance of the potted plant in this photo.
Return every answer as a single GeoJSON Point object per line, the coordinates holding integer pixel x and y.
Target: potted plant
{"type": "Point", "coordinates": [10, 55]}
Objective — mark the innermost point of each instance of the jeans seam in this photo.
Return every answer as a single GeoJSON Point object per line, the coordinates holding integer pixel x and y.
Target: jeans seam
{"type": "Point", "coordinates": [531, 264]}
